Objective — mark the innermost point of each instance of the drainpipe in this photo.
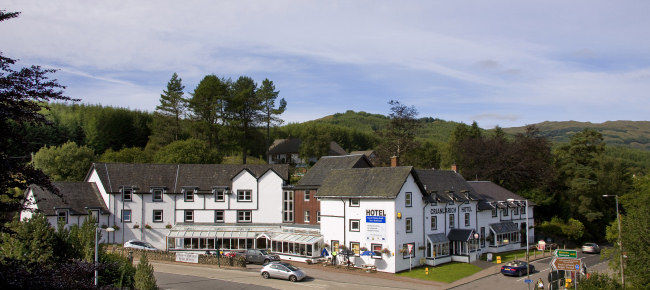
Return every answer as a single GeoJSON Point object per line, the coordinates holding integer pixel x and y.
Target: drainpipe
{"type": "Point", "coordinates": [424, 235]}
{"type": "Point", "coordinates": [344, 223]}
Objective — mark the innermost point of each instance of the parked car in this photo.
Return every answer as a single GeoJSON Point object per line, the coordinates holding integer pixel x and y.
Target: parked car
{"type": "Point", "coordinates": [140, 245]}
{"type": "Point", "coordinates": [592, 248]}
{"type": "Point", "coordinates": [260, 256]}
{"type": "Point", "coordinates": [283, 271]}
{"type": "Point", "coordinates": [516, 268]}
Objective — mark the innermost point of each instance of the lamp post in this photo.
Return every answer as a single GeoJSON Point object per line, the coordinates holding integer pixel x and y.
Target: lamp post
{"type": "Point", "coordinates": [620, 242]}
{"type": "Point", "coordinates": [97, 231]}
{"type": "Point", "coordinates": [527, 247]}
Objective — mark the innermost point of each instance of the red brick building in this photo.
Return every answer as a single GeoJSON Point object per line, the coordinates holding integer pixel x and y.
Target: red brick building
{"type": "Point", "coordinates": [302, 199]}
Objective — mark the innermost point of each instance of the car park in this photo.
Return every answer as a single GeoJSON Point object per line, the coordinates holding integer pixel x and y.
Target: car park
{"type": "Point", "coordinates": [516, 268]}
{"type": "Point", "coordinates": [139, 245]}
{"type": "Point", "coordinates": [591, 248]}
{"type": "Point", "coordinates": [282, 270]}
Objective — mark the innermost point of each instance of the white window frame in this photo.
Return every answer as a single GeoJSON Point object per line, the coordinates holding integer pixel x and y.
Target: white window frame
{"type": "Point", "coordinates": [216, 216]}
{"type": "Point", "coordinates": [408, 225]}
{"type": "Point", "coordinates": [318, 216]}
{"type": "Point", "coordinates": [241, 216]}
{"type": "Point", "coordinates": [523, 210]}
{"type": "Point", "coordinates": [124, 211]}
{"type": "Point", "coordinates": [434, 223]}
{"type": "Point", "coordinates": [515, 211]}
{"type": "Point", "coordinates": [191, 219]}
{"type": "Point", "coordinates": [124, 191]}
{"type": "Point", "coordinates": [354, 228]}
{"type": "Point", "coordinates": [355, 202]}
{"type": "Point", "coordinates": [408, 199]}
{"type": "Point", "coordinates": [306, 217]}
{"type": "Point", "coordinates": [495, 212]}
{"type": "Point", "coordinates": [243, 197]}
{"type": "Point", "coordinates": [505, 211]}
{"type": "Point", "coordinates": [467, 219]}
{"type": "Point", "coordinates": [64, 216]}
{"type": "Point", "coordinates": [154, 216]}
{"type": "Point", "coordinates": [288, 206]}
{"type": "Point", "coordinates": [307, 195]}
{"type": "Point", "coordinates": [452, 222]}
{"type": "Point", "coordinates": [220, 195]}
{"type": "Point", "coordinates": [153, 194]}
{"type": "Point", "coordinates": [188, 195]}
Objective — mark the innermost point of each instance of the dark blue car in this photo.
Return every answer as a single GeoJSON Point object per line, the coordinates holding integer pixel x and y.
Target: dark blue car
{"type": "Point", "coordinates": [516, 268]}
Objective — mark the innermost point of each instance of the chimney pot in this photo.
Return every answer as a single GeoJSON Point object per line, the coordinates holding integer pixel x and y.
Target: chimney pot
{"type": "Point", "coordinates": [454, 168]}
{"type": "Point", "coordinates": [394, 161]}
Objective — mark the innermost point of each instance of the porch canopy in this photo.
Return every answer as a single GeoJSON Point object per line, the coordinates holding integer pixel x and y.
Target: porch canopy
{"type": "Point", "coordinates": [212, 234]}
{"type": "Point", "coordinates": [296, 238]}
{"type": "Point", "coordinates": [504, 228]}
{"type": "Point", "coordinates": [437, 238]}
{"type": "Point", "coordinates": [460, 235]}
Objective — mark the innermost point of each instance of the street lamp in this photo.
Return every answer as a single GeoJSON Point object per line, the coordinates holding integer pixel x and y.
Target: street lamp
{"type": "Point", "coordinates": [97, 231]}
{"type": "Point", "coordinates": [527, 247]}
{"type": "Point", "coordinates": [620, 242]}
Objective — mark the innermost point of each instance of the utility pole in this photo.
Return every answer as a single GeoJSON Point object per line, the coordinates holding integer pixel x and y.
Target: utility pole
{"type": "Point", "coordinates": [620, 241]}
{"type": "Point", "coordinates": [527, 247]}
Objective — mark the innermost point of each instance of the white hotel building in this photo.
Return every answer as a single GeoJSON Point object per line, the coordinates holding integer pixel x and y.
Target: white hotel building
{"type": "Point", "coordinates": [201, 207]}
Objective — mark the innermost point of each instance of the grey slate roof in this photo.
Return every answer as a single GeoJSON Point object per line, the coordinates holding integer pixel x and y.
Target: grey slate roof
{"type": "Point", "coordinates": [438, 238]}
{"type": "Point", "coordinates": [74, 196]}
{"type": "Point", "coordinates": [490, 193]}
{"type": "Point", "coordinates": [459, 235]}
{"type": "Point", "coordinates": [317, 173]}
{"type": "Point", "coordinates": [174, 177]}
{"type": "Point", "coordinates": [374, 182]}
{"type": "Point", "coordinates": [285, 146]}
{"type": "Point", "coordinates": [504, 227]}
{"type": "Point", "coordinates": [446, 185]}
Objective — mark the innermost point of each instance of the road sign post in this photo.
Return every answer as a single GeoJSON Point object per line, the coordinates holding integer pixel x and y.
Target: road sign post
{"type": "Point", "coordinates": [566, 264]}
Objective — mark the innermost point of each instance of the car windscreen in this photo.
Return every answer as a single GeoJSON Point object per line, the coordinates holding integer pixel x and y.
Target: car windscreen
{"type": "Point", "coordinates": [291, 267]}
{"type": "Point", "coordinates": [263, 252]}
{"type": "Point", "coordinates": [148, 245]}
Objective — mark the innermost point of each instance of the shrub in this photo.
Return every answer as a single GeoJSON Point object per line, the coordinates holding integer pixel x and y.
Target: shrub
{"type": "Point", "coordinates": [599, 281]}
{"type": "Point", "coordinates": [169, 226]}
{"type": "Point", "coordinates": [147, 226]}
{"type": "Point", "coordinates": [136, 226]}
{"type": "Point", "coordinates": [144, 279]}
{"type": "Point", "coordinates": [116, 227]}
{"type": "Point", "coordinates": [116, 270]}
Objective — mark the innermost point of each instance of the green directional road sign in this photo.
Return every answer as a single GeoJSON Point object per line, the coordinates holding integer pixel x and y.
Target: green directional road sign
{"type": "Point", "coordinates": [566, 253]}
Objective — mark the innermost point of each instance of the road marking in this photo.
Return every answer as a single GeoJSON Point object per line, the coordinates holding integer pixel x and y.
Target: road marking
{"type": "Point", "coordinates": [533, 274]}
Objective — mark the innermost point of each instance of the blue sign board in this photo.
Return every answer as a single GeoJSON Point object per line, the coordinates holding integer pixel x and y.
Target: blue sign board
{"type": "Point", "coordinates": [527, 281]}
{"type": "Point", "coordinates": [577, 266]}
{"type": "Point", "coordinates": [376, 219]}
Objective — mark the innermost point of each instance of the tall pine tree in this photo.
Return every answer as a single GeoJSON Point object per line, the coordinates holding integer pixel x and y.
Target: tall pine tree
{"type": "Point", "coordinates": [268, 94]}
{"type": "Point", "coordinates": [245, 111]}
{"type": "Point", "coordinates": [167, 118]}
{"type": "Point", "coordinates": [208, 104]}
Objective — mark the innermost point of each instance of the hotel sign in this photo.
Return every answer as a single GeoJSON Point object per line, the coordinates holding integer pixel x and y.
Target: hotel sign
{"type": "Point", "coordinates": [187, 257]}
{"type": "Point", "coordinates": [375, 225]}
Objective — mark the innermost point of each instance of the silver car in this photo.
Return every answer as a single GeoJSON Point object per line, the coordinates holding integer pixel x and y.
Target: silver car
{"type": "Point", "coordinates": [283, 271]}
{"type": "Point", "coordinates": [591, 248]}
{"type": "Point", "coordinates": [140, 245]}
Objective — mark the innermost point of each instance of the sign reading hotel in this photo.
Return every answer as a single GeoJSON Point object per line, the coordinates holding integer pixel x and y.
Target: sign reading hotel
{"type": "Point", "coordinates": [375, 225]}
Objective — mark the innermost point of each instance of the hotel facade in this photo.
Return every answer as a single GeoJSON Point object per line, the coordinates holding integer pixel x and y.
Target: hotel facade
{"type": "Point", "coordinates": [389, 217]}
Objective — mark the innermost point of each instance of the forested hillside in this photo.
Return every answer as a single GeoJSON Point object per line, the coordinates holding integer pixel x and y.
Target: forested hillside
{"type": "Point", "coordinates": [634, 134]}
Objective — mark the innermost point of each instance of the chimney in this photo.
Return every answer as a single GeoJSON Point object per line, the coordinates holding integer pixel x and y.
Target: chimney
{"type": "Point", "coordinates": [454, 168]}
{"type": "Point", "coordinates": [394, 161]}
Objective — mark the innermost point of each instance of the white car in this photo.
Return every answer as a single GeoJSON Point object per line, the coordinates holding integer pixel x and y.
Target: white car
{"type": "Point", "coordinates": [283, 271]}
{"type": "Point", "coordinates": [591, 248]}
{"type": "Point", "coordinates": [139, 245]}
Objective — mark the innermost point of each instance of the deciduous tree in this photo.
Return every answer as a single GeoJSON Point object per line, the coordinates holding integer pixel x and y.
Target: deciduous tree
{"type": "Point", "coordinates": [399, 137]}
{"type": "Point", "coordinates": [67, 162]}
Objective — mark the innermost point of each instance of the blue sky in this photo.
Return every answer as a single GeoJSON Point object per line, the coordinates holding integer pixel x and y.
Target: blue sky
{"type": "Point", "coordinates": [507, 63]}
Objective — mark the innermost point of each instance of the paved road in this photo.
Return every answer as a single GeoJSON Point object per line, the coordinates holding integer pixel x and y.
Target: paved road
{"type": "Point", "coordinates": [499, 281]}
{"type": "Point", "coordinates": [176, 281]}
{"type": "Point", "coordinates": [186, 276]}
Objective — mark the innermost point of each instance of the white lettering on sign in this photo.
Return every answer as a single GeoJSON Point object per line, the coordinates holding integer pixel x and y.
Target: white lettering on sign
{"type": "Point", "coordinates": [187, 257]}
{"type": "Point", "coordinates": [437, 211]}
{"type": "Point", "coordinates": [375, 212]}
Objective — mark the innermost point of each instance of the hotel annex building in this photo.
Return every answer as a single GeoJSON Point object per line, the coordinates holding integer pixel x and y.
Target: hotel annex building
{"type": "Point", "coordinates": [377, 210]}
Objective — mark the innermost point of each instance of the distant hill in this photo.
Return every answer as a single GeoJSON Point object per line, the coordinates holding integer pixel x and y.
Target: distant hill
{"type": "Point", "coordinates": [633, 134]}
{"type": "Point", "coordinates": [432, 129]}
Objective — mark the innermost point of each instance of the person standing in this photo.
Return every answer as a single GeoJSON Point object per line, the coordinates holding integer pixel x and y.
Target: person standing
{"type": "Point", "coordinates": [334, 257]}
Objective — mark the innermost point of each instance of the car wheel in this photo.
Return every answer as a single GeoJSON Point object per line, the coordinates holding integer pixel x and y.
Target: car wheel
{"type": "Point", "coordinates": [293, 278]}
{"type": "Point", "coordinates": [265, 275]}
{"type": "Point", "coordinates": [266, 261]}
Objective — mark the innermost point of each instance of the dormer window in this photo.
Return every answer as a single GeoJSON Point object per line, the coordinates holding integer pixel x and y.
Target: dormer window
{"type": "Point", "coordinates": [157, 194]}
{"type": "Point", "coordinates": [494, 212]}
{"type": "Point", "coordinates": [127, 194]}
{"type": "Point", "coordinates": [523, 210]}
{"type": "Point", "coordinates": [189, 195]}
{"type": "Point", "coordinates": [219, 194]}
{"type": "Point", "coordinates": [62, 216]}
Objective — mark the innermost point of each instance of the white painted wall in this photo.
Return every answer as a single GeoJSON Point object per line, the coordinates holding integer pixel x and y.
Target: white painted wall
{"type": "Point", "coordinates": [30, 206]}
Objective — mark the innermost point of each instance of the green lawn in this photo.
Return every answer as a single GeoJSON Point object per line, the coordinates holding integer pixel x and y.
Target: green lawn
{"type": "Point", "coordinates": [508, 256]}
{"type": "Point", "coordinates": [447, 273]}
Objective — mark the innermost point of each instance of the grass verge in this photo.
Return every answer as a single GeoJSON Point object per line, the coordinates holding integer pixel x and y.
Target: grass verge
{"type": "Point", "coordinates": [447, 273]}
